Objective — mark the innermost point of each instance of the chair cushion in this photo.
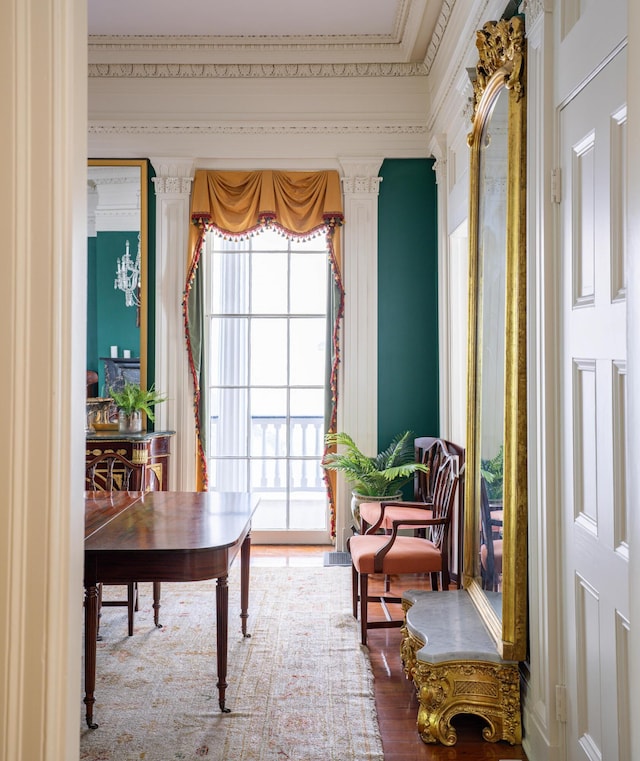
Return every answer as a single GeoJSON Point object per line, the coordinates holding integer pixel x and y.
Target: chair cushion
{"type": "Point", "coordinates": [497, 555]}
{"type": "Point", "coordinates": [409, 554]}
{"type": "Point", "coordinates": [370, 512]}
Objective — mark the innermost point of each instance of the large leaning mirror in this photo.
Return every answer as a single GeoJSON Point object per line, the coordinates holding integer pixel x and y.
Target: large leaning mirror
{"type": "Point", "coordinates": [495, 549]}
{"type": "Point", "coordinates": [117, 243]}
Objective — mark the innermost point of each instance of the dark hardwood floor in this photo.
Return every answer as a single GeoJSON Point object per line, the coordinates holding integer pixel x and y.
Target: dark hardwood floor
{"type": "Point", "coordinates": [396, 701]}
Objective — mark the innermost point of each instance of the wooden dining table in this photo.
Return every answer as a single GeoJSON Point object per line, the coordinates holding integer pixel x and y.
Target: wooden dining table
{"type": "Point", "coordinates": [164, 536]}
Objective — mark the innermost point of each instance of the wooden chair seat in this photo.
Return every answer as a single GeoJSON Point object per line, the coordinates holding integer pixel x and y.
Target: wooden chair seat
{"type": "Point", "coordinates": [409, 554]}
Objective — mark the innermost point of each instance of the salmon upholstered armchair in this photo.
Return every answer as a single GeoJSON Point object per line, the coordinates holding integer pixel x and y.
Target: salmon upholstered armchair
{"type": "Point", "coordinates": [397, 554]}
{"type": "Point", "coordinates": [430, 451]}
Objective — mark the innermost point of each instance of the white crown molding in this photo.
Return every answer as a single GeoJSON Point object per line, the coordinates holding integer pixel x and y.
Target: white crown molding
{"type": "Point", "coordinates": [438, 33]}
{"type": "Point", "coordinates": [242, 128]}
{"type": "Point", "coordinates": [253, 70]}
{"type": "Point", "coordinates": [407, 11]}
{"type": "Point", "coordinates": [244, 43]}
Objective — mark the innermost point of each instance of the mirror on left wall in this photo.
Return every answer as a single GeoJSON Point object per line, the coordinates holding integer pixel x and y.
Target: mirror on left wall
{"type": "Point", "coordinates": [117, 257]}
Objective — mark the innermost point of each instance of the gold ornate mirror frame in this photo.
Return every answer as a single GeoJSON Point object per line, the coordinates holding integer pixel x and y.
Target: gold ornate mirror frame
{"type": "Point", "coordinates": [141, 166]}
{"type": "Point", "coordinates": [500, 71]}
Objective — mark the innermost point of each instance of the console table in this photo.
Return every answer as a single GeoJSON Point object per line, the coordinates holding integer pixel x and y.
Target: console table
{"type": "Point", "coordinates": [149, 447]}
{"type": "Point", "coordinates": [456, 669]}
{"type": "Point", "coordinates": [165, 536]}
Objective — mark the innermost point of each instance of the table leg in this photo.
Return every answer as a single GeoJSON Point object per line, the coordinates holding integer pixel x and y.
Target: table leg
{"type": "Point", "coordinates": [90, 635]}
{"type": "Point", "coordinates": [245, 552]}
{"type": "Point", "coordinates": [156, 604]}
{"type": "Point", "coordinates": [222, 616]}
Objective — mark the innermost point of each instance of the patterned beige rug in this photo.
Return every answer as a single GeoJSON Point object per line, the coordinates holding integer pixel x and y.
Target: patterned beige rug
{"type": "Point", "coordinates": [300, 689]}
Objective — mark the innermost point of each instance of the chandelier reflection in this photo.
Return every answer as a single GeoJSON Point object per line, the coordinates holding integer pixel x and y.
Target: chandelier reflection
{"type": "Point", "coordinates": [128, 276]}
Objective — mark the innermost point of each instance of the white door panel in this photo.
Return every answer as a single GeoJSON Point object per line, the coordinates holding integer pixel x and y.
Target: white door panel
{"type": "Point", "coordinates": [593, 319]}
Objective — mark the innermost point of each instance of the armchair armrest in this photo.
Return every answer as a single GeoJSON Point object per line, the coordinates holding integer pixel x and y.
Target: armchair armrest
{"type": "Point", "coordinates": [378, 558]}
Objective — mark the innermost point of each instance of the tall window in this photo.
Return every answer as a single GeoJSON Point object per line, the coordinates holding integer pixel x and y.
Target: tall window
{"type": "Point", "coordinates": [265, 337]}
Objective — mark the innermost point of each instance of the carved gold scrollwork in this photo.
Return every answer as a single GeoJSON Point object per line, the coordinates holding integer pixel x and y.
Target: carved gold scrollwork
{"type": "Point", "coordinates": [500, 47]}
{"type": "Point", "coordinates": [488, 690]}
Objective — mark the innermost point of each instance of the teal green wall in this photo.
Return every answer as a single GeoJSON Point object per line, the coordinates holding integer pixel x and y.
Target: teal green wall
{"type": "Point", "coordinates": [114, 323]}
{"type": "Point", "coordinates": [407, 300]}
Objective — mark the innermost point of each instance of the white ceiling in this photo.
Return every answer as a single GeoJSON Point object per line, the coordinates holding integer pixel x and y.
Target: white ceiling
{"type": "Point", "coordinates": [381, 30]}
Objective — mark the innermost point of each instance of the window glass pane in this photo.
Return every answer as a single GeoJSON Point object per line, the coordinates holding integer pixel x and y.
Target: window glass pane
{"type": "Point", "coordinates": [317, 243]}
{"type": "Point", "coordinates": [307, 422]}
{"type": "Point", "coordinates": [308, 283]}
{"type": "Point", "coordinates": [269, 283]}
{"type": "Point", "coordinates": [230, 435]}
{"type": "Point", "coordinates": [271, 514]}
{"type": "Point", "coordinates": [269, 476]}
{"type": "Point", "coordinates": [228, 342]}
{"type": "Point", "coordinates": [307, 352]}
{"type": "Point", "coordinates": [270, 240]}
{"type": "Point", "coordinates": [268, 352]}
{"type": "Point", "coordinates": [230, 283]}
{"type": "Point", "coordinates": [268, 422]}
{"type": "Point", "coordinates": [230, 475]}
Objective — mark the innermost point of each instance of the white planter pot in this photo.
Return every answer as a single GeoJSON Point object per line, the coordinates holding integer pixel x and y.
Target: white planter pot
{"type": "Point", "coordinates": [357, 499]}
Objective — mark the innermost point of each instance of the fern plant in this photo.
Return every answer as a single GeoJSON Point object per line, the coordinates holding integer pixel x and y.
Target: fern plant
{"type": "Point", "coordinates": [381, 476]}
{"type": "Point", "coordinates": [132, 398]}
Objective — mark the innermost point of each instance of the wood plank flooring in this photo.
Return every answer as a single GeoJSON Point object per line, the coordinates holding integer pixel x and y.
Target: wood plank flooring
{"type": "Point", "coordinates": [396, 701]}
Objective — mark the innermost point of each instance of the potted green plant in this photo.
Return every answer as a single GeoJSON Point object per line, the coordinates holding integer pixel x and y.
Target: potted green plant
{"type": "Point", "coordinates": [132, 401]}
{"type": "Point", "coordinates": [373, 479]}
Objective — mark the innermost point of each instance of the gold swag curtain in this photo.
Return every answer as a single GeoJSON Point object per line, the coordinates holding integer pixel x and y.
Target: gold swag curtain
{"type": "Point", "coordinates": [237, 203]}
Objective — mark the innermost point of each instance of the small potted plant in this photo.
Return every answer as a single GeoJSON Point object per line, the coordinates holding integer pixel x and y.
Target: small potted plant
{"type": "Point", "coordinates": [131, 402]}
{"type": "Point", "coordinates": [374, 479]}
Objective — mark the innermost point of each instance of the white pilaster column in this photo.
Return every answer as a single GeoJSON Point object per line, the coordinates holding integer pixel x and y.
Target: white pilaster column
{"type": "Point", "coordinates": [544, 733]}
{"type": "Point", "coordinates": [172, 188]}
{"type": "Point", "coordinates": [358, 401]}
{"type": "Point", "coordinates": [438, 149]}
{"type": "Point", "coordinates": [43, 218]}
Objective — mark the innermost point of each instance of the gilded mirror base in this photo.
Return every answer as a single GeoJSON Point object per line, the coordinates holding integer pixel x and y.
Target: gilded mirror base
{"type": "Point", "coordinates": [444, 690]}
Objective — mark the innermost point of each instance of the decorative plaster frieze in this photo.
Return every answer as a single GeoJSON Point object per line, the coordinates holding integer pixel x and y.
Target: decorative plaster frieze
{"type": "Point", "coordinates": [242, 128]}
{"type": "Point", "coordinates": [173, 185]}
{"type": "Point", "coordinates": [253, 70]}
{"type": "Point", "coordinates": [438, 33]}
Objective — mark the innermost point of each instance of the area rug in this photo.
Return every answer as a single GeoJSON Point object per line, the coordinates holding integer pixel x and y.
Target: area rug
{"type": "Point", "coordinates": [299, 689]}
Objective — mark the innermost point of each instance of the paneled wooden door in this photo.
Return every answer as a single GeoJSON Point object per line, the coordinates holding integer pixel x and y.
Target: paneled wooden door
{"type": "Point", "coordinates": [593, 506]}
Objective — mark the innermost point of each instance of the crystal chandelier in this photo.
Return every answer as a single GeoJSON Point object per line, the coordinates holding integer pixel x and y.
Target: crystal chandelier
{"type": "Point", "coordinates": [128, 276]}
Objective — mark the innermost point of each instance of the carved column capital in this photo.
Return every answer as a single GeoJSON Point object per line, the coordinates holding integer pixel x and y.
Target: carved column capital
{"type": "Point", "coordinates": [173, 176]}
{"type": "Point", "coordinates": [172, 185]}
{"type": "Point", "coordinates": [361, 175]}
{"type": "Point", "coordinates": [438, 149]}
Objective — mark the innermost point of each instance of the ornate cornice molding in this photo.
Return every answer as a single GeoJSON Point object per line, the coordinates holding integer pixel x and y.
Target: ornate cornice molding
{"type": "Point", "coordinates": [240, 44]}
{"type": "Point", "coordinates": [242, 128]}
{"type": "Point", "coordinates": [253, 70]}
{"type": "Point", "coordinates": [438, 33]}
